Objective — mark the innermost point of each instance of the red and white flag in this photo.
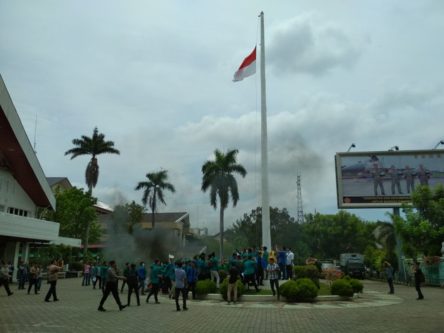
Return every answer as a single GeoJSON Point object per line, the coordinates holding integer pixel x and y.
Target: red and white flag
{"type": "Point", "coordinates": [247, 68]}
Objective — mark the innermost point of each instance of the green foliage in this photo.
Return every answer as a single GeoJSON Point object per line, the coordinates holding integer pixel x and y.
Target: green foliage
{"type": "Point", "coordinates": [357, 285]}
{"type": "Point", "coordinates": [75, 210]}
{"type": "Point", "coordinates": [422, 229]}
{"type": "Point", "coordinates": [308, 271]}
{"type": "Point", "coordinates": [285, 231]}
{"type": "Point", "coordinates": [154, 190]}
{"type": "Point", "coordinates": [301, 290]}
{"type": "Point", "coordinates": [218, 178]}
{"type": "Point", "coordinates": [342, 287]}
{"type": "Point", "coordinates": [204, 287]}
{"type": "Point", "coordinates": [224, 288]}
{"type": "Point", "coordinates": [330, 235]}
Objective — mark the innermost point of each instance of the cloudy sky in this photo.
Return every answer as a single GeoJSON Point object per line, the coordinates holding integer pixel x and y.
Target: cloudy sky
{"type": "Point", "coordinates": [155, 78]}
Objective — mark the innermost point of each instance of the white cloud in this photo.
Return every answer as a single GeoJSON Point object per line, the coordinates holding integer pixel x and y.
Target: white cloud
{"type": "Point", "coordinates": [308, 44]}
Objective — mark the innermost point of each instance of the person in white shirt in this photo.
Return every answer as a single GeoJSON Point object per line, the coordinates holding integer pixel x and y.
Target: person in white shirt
{"type": "Point", "coordinates": [289, 263]}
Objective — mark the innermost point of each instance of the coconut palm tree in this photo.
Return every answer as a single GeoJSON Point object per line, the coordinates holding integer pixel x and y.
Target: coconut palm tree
{"type": "Point", "coordinates": [153, 190]}
{"type": "Point", "coordinates": [93, 146]}
{"type": "Point", "coordinates": [218, 177]}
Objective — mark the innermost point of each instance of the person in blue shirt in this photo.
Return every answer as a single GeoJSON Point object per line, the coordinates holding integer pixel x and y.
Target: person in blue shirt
{"type": "Point", "coordinates": [191, 271]}
{"type": "Point", "coordinates": [282, 262]}
{"type": "Point", "coordinates": [141, 276]}
{"type": "Point", "coordinates": [180, 286]}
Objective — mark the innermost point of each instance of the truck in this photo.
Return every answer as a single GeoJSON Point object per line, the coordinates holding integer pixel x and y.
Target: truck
{"type": "Point", "coordinates": [352, 264]}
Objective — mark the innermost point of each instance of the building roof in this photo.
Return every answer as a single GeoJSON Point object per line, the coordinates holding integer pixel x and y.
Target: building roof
{"type": "Point", "coordinates": [18, 156]}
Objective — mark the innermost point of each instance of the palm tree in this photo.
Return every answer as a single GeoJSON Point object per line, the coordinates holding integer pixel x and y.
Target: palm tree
{"type": "Point", "coordinates": [93, 146]}
{"type": "Point", "coordinates": [153, 190]}
{"type": "Point", "coordinates": [218, 177]}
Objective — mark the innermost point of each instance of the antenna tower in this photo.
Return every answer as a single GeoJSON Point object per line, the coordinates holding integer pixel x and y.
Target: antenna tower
{"type": "Point", "coordinates": [300, 216]}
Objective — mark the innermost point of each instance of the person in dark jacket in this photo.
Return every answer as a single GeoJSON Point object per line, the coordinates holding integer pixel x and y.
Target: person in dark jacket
{"type": "Point", "coordinates": [112, 286]}
{"type": "Point", "coordinates": [419, 278]}
{"type": "Point", "coordinates": [133, 283]}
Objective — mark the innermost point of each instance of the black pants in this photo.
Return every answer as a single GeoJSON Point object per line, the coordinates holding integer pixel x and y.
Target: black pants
{"type": "Point", "coordinates": [153, 291]}
{"type": "Point", "coordinates": [123, 286]}
{"type": "Point", "coordinates": [131, 288]}
{"type": "Point", "coordinates": [111, 287]}
{"type": "Point", "coordinates": [418, 289]}
{"type": "Point", "coordinates": [182, 291]}
{"type": "Point", "coordinates": [390, 283]}
{"type": "Point", "coordinates": [289, 271]}
{"type": "Point", "coordinates": [52, 291]}
{"type": "Point", "coordinates": [250, 278]}
{"type": "Point", "coordinates": [273, 283]}
{"type": "Point", "coordinates": [33, 282]}
{"type": "Point", "coordinates": [192, 288]}
{"type": "Point", "coordinates": [5, 284]}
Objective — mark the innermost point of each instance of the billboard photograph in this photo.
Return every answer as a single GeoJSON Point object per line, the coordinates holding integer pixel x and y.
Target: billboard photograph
{"type": "Point", "coordinates": [386, 178]}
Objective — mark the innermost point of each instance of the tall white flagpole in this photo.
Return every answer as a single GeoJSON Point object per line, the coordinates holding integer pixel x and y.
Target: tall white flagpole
{"type": "Point", "coordinates": [266, 235]}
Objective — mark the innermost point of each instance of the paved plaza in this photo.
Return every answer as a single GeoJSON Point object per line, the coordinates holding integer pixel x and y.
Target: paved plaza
{"type": "Point", "coordinates": [374, 311]}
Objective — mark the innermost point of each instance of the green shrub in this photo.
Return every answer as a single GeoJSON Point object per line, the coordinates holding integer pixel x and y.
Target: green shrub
{"type": "Point", "coordinates": [357, 285]}
{"type": "Point", "coordinates": [204, 287]}
{"type": "Point", "coordinates": [308, 271]}
{"type": "Point", "coordinates": [342, 287]}
{"type": "Point", "coordinates": [222, 274]}
{"type": "Point", "coordinates": [224, 288]}
{"type": "Point", "coordinates": [300, 290]}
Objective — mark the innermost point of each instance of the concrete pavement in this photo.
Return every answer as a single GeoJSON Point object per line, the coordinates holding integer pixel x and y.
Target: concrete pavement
{"type": "Point", "coordinates": [374, 311]}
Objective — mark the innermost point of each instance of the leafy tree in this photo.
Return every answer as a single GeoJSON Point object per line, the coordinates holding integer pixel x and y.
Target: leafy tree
{"type": "Point", "coordinates": [285, 231]}
{"type": "Point", "coordinates": [135, 212]}
{"type": "Point", "coordinates": [219, 179]}
{"type": "Point", "coordinates": [153, 190]}
{"type": "Point", "coordinates": [93, 146]}
{"type": "Point", "coordinates": [76, 214]}
{"type": "Point", "coordinates": [422, 229]}
{"type": "Point", "coordinates": [330, 235]}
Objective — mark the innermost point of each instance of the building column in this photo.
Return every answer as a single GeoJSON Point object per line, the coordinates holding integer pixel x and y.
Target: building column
{"type": "Point", "coordinates": [15, 260]}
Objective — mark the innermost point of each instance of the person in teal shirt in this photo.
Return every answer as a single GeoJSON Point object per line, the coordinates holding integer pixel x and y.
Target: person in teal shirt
{"type": "Point", "coordinates": [155, 275]}
{"type": "Point", "coordinates": [249, 272]}
{"type": "Point", "coordinates": [213, 262]}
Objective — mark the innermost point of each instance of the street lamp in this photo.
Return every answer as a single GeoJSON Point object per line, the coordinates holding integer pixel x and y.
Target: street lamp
{"type": "Point", "coordinates": [394, 148]}
{"type": "Point", "coordinates": [351, 146]}
{"type": "Point", "coordinates": [439, 143]}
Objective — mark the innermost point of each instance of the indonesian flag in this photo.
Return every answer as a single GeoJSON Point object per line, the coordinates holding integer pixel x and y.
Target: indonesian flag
{"type": "Point", "coordinates": [247, 68]}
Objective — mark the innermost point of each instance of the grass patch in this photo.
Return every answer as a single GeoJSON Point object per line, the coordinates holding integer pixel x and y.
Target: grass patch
{"type": "Point", "coordinates": [324, 289]}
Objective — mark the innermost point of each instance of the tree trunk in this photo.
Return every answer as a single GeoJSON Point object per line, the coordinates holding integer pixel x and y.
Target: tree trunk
{"type": "Point", "coordinates": [221, 244]}
{"type": "Point", "coordinates": [153, 210]}
{"type": "Point", "coordinates": [86, 241]}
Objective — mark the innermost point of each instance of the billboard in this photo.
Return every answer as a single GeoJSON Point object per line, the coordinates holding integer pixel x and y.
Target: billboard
{"type": "Point", "coordinates": [385, 179]}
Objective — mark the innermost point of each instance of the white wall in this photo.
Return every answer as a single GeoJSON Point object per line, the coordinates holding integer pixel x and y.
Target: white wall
{"type": "Point", "coordinates": [12, 195]}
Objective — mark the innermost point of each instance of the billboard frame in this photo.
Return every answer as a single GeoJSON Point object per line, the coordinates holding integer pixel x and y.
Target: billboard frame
{"type": "Point", "coordinates": [376, 201]}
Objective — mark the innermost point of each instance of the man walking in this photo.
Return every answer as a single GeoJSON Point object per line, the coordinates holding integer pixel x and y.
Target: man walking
{"type": "Point", "coordinates": [4, 277]}
{"type": "Point", "coordinates": [289, 264]}
{"type": "Point", "coordinates": [53, 274]}
{"type": "Point", "coordinates": [180, 279]}
{"type": "Point", "coordinates": [131, 280]}
{"type": "Point", "coordinates": [233, 275]}
{"type": "Point", "coordinates": [112, 287]}
{"type": "Point", "coordinates": [273, 274]}
{"type": "Point", "coordinates": [388, 269]}
{"type": "Point", "coordinates": [155, 275]}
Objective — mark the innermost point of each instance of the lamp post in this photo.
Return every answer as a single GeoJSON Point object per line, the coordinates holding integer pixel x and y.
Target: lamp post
{"type": "Point", "coordinates": [351, 146]}
{"type": "Point", "coordinates": [439, 143]}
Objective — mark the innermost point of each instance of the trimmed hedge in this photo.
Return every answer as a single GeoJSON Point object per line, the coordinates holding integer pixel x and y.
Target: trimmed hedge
{"type": "Point", "coordinates": [224, 288]}
{"type": "Point", "coordinates": [342, 287]}
{"type": "Point", "coordinates": [357, 285]}
{"type": "Point", "coordinates": [204, 287]}
{"type": "Point", "coordinates": [300, 290]}
{"type": "Point", "coordinates": [308, 271]}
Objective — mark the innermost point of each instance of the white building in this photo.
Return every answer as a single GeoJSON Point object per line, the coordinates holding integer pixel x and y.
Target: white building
{"type": "Point", "coordinates": [23, 189]}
